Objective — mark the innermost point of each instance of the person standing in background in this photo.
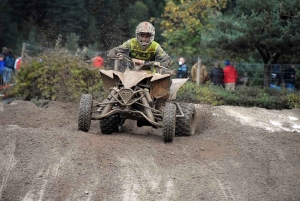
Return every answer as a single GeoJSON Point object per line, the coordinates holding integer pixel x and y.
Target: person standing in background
{"type": "Point", "coordinates": [290, 78]}
{"type": "Point", "coordinates": [230, 76]}
{"type": "Point", "coordinates": [276, 77]}
{"type": "Point", "coordinates": [9, 66]}
{"type": "Point", "coordinates": [203, 74]}
{"type": "Point", "coordinates": [194, 72]}
{"type": "Point", "coordinates": [216, 75]}
{"type": "Point", "coordinates": [182, 71]}
{"type": "Point", "coordinates": [98, 61]}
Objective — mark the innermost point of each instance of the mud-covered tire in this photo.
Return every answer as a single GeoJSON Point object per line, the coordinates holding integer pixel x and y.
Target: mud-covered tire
{"type": "Point", "coordinates": [109, 125]}
{"type": "Point", "coordinates": [169, 121]}
{"type": "Point", "coordinates": [85, 112]}
{"type": "Point", "coordinates": [186, 126]}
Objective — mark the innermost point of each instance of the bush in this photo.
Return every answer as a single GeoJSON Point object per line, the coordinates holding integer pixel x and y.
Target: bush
{"type": "Point", "coordinates": [63, 77]}
{"type": "Point", "coordinates": [190, 92]}
{"type": "Point", "coordinates": [57, 76]}
{"type": "Point", "coordinates": [246, 96]}
{"type": "Point", "coordinates": [294, 100]}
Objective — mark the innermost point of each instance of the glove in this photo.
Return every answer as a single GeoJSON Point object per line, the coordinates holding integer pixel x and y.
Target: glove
{"type": "Point", "coordinates": [156, 64]}
{"type": "Point", "coordinates": [120, 56]}
{"type": "Point", "coordinates": [111, 54]}
{"type": "Point", "coordinates": [164, 64]}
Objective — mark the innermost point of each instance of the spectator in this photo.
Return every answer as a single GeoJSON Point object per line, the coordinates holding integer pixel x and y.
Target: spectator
{"type": "Point", "coordinates": [18, 63]}
{"type": "Point", "coordinates": [203, 73]}
{"type": "Point", "coordinates": [98, 61]}
{"type": "Point", "coordinates": [194, 72]}
{"type": "Point", "coordinates": [230, 76]}
{"type": "Point", "coordinates": [4, 51]}
{"type": "Point", "coordinates": [182, 71]}
{"type": "Point", "coordinates": [2, 64]}
{"type": "Point", "coordinates": [276, 77]}
{"type": "Point", "coordinates": [216, 75]}
{"type": "Point", "coordinates": [9, 66]}
{"type": "Point", "coordinates": [290, 78]}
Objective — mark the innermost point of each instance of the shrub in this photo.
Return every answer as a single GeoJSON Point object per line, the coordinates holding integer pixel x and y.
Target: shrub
{"type": "Point", "coordinates": [294, 100]}
{"type": "Point", "coordinates": [57, 76]}
{"type": "Point", "coordinates": [246, 96]}
{"type": "Point", "coordinates": [190, 92]}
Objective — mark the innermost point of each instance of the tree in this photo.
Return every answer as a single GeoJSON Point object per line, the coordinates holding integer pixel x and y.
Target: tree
{"type": "Point", "coordinates": [99, 23]}
{"type": "Point", "coordinates": [270, 27]}
{"type": "Point", "coordinates": [184, 23]}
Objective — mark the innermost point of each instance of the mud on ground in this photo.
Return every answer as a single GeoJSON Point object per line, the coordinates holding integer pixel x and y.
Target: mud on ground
{"type": "Point", "coordinates": [236, 154]}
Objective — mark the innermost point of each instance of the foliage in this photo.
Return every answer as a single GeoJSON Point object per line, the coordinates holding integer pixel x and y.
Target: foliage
{"type": "Point", "coordinates": [183, 24]}
{"type": "Point", "coordinates": [243, 96]}
{"type": "Point", "coordinates": [106, 23]}
{"type": "Point", "coordinates": [266, 27]}
{"type": "Point", "coordinates": [57, 76]}
{"type": "Point", "coordinates": [294, 100]}
{"type": "Point", "coordinates": [190, 92]}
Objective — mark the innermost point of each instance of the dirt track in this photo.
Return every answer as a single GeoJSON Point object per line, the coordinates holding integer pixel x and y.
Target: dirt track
{"type": "Point", "coordinates": [237, 154]}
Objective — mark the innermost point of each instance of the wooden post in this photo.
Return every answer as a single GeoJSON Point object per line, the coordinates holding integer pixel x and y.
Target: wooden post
{"type": "Point", "coordinates": [198, 71]}
{"type": "Point", "coordinates": [23, 50]}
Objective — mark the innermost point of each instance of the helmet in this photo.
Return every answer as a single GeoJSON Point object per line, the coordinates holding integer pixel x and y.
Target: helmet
{"type": "Point", "coordinates": [145, 27]}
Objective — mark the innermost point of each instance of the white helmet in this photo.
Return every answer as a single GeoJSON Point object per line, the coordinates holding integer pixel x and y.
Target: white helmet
{"type": "Point", "coordinates": [145, 27]}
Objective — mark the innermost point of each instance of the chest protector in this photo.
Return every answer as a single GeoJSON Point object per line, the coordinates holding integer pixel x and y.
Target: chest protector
{"type": "Point", "coordinates": [138, 53]}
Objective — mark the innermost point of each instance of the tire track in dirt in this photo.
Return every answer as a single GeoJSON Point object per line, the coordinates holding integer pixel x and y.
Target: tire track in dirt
{"type": "Point", "coordinates": [9, 164]}
{"type": "Point", "coordinates": [142, 178]}
{"type": "Point", "coordinates": [225, 160]}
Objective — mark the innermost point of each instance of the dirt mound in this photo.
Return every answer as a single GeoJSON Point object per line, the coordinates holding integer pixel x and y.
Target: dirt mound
{"type": "Point", "coordinates": [236, 154]}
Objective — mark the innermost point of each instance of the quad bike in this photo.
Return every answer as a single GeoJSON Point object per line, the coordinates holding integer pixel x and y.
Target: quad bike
{"type": "Point", "coordinates": [139, 95]}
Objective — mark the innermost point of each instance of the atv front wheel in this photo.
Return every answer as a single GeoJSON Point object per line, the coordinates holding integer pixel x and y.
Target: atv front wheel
{"type": "Point", "coordinates": [186, 126]}
{"type": "Point", "coordinates": [85, 112]}
{"type": "Point", "coordinates": [169, 121]}
{"type": "Point", "coordinates": [110, 124]}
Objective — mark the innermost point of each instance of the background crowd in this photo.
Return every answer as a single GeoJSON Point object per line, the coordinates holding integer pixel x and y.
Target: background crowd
{"type": "Point", "coordinates": [8, 65]}
{"type": "Point", "coordinates": [228, 77]}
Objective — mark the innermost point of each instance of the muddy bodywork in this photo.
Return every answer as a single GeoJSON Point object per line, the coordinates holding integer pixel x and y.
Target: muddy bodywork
{"type": "Point", "coordinates": [148, 98]}
{"type": "Point", "coordinates": [133, 95]}
{"type": "Point", "coordinates": [161, 85]}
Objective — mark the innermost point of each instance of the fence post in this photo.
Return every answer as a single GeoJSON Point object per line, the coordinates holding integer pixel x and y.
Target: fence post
{"type": "Point", "coordinates": [23, 50]}
{"type": "Point", "coordinates": [198, 71]}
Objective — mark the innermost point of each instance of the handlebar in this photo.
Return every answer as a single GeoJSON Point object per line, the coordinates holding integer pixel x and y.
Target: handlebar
{"type": "Point", "coordinates": [138, 66]}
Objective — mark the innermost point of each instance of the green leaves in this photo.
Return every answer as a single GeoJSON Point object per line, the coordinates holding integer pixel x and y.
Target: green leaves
{"type": "Point", "coordinates": [265, 27]}
{"type": "Point", "coordinates": [184, 23]}
{"type": "Point", "coordinates": [246, 96]}
{"type": "Point", "coordinates": [58, 77]}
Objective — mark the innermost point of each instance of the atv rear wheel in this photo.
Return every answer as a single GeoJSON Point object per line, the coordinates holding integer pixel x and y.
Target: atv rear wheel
{"type": "Point", "coordinates": [169, 121]}
{"type": "Point", "coordinates": [186, 126]}
{"type": "Point", "coordinates": [110, 124]}
{"type": "Point", "coordinates": [85, 112]}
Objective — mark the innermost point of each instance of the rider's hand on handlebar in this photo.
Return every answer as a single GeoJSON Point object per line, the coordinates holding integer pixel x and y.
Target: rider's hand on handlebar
{"type": "Point", "coordinates": [156, 64]}
{"type": "Point", "coordinates": [138, 61]}
{"type": "Point", "coordinates": [120, 56]}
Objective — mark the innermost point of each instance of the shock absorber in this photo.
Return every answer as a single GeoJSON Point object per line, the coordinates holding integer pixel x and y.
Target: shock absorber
{"type": "Point", "coordinates": [146, 109]}
{"type": "Point", "coordinates": [147, 94]}
{"type": "Point", "coordinates": [110, 104]}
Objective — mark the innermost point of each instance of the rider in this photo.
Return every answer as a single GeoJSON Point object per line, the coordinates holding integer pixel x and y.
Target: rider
{"type": "Point", "coordinates": [142, 48]}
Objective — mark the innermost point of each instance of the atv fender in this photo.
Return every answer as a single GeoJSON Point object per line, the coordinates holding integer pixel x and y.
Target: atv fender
{"type": "Point", "coordinates": [176, 84]}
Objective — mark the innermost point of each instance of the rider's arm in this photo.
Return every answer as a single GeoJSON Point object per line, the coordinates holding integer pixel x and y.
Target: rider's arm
{"type": "Point", "coordinates": [164, 59]}
{"type": "Point", "coordinates": [124, 49]}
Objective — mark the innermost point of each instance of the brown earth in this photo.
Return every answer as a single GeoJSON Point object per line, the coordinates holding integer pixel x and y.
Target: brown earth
{"type": "Point", "coordinates": [236, 154]}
